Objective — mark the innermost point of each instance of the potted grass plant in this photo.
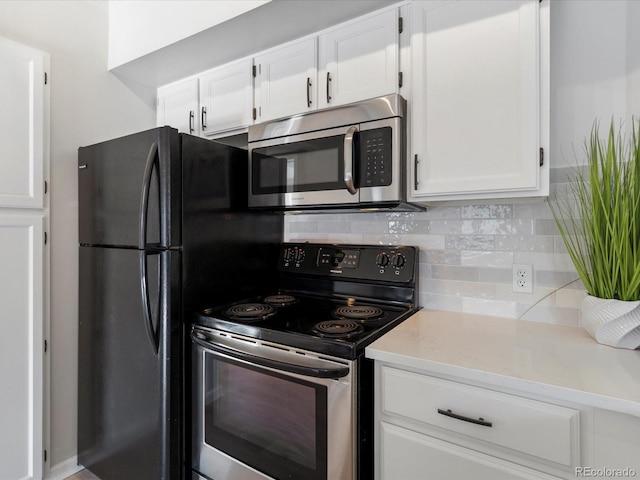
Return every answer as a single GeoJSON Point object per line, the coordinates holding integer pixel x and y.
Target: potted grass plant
{"type": "Point", "coordinates": [599, 222]}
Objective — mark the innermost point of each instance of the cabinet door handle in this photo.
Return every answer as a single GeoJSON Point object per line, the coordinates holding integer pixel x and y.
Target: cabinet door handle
{"type": "Point", "coordinates": [477, 421]}
{"type": "Point", "coordinates": [203, 118]}
{"type": "Point", "coordinates": [190, 121]}
{"type": "Point", "coordinates": [415, 172]}
{"type": "Point", "coordinates": [308, 91]}
{"type": "Point", "coordinates": [328, 81]}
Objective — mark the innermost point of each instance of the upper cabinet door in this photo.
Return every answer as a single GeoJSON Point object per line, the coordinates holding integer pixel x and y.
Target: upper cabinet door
{"type": "Point", "coordinates": [178, 106]}
{"type": "Point", "coordinates": [23, 125]}
{"type": "Point", "coordinates": [226, 97]}
{"type": "Point", "coordinates": [285, 80]}
{"type": "Point", "coordinates": [480, 99]}
{"type": "Point", "coordinates": [359, 60]}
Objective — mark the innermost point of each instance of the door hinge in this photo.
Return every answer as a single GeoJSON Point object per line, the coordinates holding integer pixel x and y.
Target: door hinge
{"type": "Point", "coordinates": [399, 79]}
{"type": "Point", "coordinates": [46, 346]}
{"type": "Point", "coordinates": [46, 78]}
{"type": "Point", "coordinates": [541, 156]}
{"type": "Point", "coordinates": [254, 113]}
{"type": "Point", "coordinates": [400, 24]}
{"type": "Point", "coordinates": [254, 71]}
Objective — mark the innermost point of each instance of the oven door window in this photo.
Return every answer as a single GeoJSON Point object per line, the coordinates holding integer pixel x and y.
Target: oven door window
{"type": "Point", "coordinates": [310, 165]}
{"type": "Point", "coordinates": [272, 422]}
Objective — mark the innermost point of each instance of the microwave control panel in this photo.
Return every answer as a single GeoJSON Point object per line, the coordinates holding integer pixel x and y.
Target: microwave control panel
{"type": "Point", "coordinates": [375, 155]}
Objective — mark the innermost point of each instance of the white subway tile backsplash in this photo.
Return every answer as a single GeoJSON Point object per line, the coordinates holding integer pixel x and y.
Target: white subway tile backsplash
{"type": "Point", "coordinates": [459, 288]}
{"type": "Point", "coordinates": [465, 227]}
{"type": "Point", "coordinates": [453, 272]}
{"type": "Point", "coordinates": [440, 257]}
{"type": "Point", "coordinates": [486, 259]}
{"type": "Point", "coordinates": [546, 227]}
{"type": "Point", "coordinates": [470, 242]}
{"type": "Point", "coordinates": [467, 252]}
{"type": "Point", "coordinates": [498, 308]}
{"type": "Point", "coordinates": [524, 243]}
{"type": "Point", "coordinates": [518, 226]}
{"type": "Point", "coordinates": [487, 211]}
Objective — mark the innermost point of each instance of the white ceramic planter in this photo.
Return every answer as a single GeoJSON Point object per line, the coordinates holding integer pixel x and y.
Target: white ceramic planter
{"type": "Point", "coordinates": [611, 322]}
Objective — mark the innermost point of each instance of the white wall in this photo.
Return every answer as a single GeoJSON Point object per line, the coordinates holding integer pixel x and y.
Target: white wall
{"type": "Point", "coordinates": [88, 105]}
{"type": "Point", "coordinates": [137, 28]}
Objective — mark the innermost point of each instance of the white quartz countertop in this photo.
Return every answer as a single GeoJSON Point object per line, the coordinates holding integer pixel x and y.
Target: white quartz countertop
{"type": "Point", "coordinates": [557, 361]}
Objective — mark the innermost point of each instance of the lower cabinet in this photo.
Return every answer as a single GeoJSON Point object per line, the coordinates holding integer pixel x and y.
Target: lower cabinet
{"type": "Point", "coordinates": [408, 455]}
{"type": "Point", "coordinates": [432, 428]}
{"type": "Point", "coordinates": [21, 345]}
{"type": "Point", "coordinates": [438, 428]}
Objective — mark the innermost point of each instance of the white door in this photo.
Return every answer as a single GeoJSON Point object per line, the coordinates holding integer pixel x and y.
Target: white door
{"type": "Point", "coordinates": [226, 97]}
{"type": "Point", "coordinates": [286, 80]}
{"type": "Point", "coordinates": [178, 106]}
{"type": "Point", "coordinates": [22, 125]}
{"type": "Point", "coordinates": [21, 345]}
{"type": "Point", "coordinates": [476, 99]}
{"type": "Point", "coordinates": [359, 60]}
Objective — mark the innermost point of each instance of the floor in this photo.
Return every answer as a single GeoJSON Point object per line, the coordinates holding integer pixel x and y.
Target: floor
{"type": "Point", "coordinates": [83, 475]}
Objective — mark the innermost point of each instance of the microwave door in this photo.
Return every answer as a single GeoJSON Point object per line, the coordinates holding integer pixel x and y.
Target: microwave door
{"type": "Point", "coordinates": [305, 170]}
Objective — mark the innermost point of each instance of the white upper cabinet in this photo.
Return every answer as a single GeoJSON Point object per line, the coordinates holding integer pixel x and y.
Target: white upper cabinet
{"type": "Point", "coordinates": [23, 119]}
{"type": "Point", "coordinates": [285, 82]}
{"type": "Point", "coordinates": [479, 115]}
{"type": "Point", "coordinates": [178, 106]}
{"type": "Point", "coordinates": [359, 60]}
{"type": "Point", "coordinates": [355, 60]}
{"type": "Point", "coordinates": [226, 97]}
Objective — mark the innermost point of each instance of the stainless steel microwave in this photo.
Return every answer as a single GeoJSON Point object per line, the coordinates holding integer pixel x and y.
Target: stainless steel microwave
{"type": "Point", "coordinates": [351, 156]}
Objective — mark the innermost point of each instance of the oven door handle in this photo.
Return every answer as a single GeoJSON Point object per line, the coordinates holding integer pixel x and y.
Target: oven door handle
{"type": "Point", "coordinates": [319, 371]}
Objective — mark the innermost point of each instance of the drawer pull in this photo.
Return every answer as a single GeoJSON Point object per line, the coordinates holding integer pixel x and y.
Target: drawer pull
{"type": "Point", "coordinates": [479, 421]}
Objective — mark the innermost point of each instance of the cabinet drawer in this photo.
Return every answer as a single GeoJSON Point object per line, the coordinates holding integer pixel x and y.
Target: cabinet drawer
{"type": "Point", "coordinates": [536, 428]}
{"type": "Point", "coordinates": [411, 456]}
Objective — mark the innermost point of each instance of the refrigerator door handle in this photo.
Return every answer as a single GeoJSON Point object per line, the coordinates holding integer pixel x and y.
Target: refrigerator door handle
{"type": "Point", "coordinates": [152, 158]}
{"type": "Point", "coordinates": [146, 308]}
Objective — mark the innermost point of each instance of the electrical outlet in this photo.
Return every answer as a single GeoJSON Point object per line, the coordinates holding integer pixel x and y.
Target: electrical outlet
{"type": "Point", "coordinates": [522, 278]}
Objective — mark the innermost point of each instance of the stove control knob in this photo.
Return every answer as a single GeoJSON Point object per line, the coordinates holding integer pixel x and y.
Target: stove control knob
{"type": "Point", "coordinates": [299, 255]}
{"type": "Point", "coordinates": [382, 260]}
{"type": "Point", "coordinates": [288, 255]}
{"type": "Point", "coordinates": [398, 261]}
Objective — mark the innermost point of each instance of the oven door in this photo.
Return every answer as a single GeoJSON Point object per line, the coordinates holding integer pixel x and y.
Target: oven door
{"type": "Point", "coordinates": [309, 169]}
{"type": "Point", "coordinates": [263, 411]}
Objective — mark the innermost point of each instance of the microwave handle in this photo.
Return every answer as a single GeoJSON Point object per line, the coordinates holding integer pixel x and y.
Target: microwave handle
{"type": "Point", "coordinates": [348, 160]}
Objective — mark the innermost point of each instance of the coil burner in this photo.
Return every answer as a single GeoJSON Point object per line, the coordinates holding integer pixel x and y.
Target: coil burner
{"type": "Point", "coordinates": [358, 312]}
{"type": "Point", "coordinates": [338, 328]}
{"type": "Point", "coordinates": [248, 312]}
{"type": "Point", "coordinates": [280, 300]}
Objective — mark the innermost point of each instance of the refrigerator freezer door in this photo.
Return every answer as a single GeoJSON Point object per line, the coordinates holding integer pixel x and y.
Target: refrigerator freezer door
{"type": "Point", "coordinates": [130, 185]}
{"type": "Point", "coordinates": [128, 414]}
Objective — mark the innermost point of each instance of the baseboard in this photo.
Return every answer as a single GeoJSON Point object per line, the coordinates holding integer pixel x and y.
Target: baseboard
{"type": "Point", "coordinates": [65, 469]}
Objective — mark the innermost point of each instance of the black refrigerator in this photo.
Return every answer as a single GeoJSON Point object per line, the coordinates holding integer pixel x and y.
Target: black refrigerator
{"type": "Point", "coordinates": [164, 231]}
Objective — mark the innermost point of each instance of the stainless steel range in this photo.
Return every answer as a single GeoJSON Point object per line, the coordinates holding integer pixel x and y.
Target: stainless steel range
{"type": "Point", "coordinates": [280, 386]}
